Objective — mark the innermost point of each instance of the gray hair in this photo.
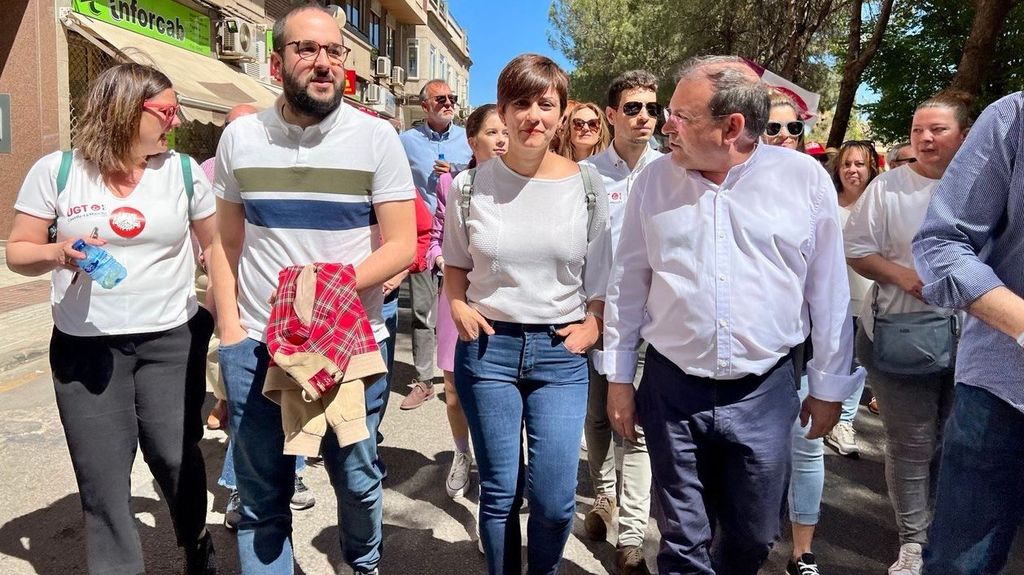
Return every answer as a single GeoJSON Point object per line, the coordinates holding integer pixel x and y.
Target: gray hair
{"type": "Point", "coordinates": [736, 89]}
{"type": "Point", "coordinates": [278, 34]}
{"type": "Point", "coordinates": [434, 82]}
{"type": "Point", "coordinates": [894, 152]}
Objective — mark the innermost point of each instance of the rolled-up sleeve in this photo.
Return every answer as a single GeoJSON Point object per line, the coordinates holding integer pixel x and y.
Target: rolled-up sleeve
{"type": "Point", "coordinates": [629, 285]}
{"type": "Point", "coordinates": [827, 296]}
{"type": "Point", "coordinates": [967, 209]}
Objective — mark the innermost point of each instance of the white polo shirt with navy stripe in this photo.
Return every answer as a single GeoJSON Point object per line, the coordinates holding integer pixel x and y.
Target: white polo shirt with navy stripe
{"type": "Point", "coordinates": [308, 196]}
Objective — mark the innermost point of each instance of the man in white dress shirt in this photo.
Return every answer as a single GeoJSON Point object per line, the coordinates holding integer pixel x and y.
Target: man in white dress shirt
{"type": "Point", "coordinates": [730, 254]}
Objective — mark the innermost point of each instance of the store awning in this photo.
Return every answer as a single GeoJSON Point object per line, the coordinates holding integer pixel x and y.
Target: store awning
{"type": "Point", "coordinates": [207, 88]}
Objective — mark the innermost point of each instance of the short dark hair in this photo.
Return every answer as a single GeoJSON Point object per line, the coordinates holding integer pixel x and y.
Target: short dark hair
{"type": "Point", "coordinates": [529, 76]}
{"type": "Point", "coordinates": [278, 34]}
{"type": "Point", "coordinates": [631, 80]}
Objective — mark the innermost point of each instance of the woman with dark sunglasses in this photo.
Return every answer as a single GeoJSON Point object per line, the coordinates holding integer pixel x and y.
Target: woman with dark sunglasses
{"type": "Point", "coordinates": [784, 128]}
{"type": "Point", "coordinates": [128, 362]}
{"type": "Point", "coordinates": [584, 132]}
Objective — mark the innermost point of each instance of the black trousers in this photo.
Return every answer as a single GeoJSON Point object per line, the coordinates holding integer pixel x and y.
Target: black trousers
{"type": "Point", "coordinates": [116, 393]}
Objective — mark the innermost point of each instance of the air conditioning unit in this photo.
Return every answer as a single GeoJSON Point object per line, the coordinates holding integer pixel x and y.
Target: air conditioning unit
{"type": "Point", "coordinates": [382, 69]}
{"type": "Point", "coordinates": [397, 76]}
{"type": "Point", "coordinates": [236, 40]}
{"type": "Point", "coordinates": [374, 94]}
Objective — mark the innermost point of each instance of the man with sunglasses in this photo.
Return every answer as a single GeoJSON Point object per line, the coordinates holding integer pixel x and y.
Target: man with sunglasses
{"type": "Point", "coordinates": [730, 253]}
{"type": "Point", "coordinates": [307, 180]}
{"type": "Point", "coordinates": [434, 147]}
{"type": "Point", "coordinates": [633, 110]}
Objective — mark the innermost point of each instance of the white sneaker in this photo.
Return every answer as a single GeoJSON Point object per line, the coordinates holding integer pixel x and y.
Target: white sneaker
{"type": "Point", "coordinates": [458, 475]}
{"type": "Point", "coordinates": [909, 561]}
{"type": "Point", "coordinates": [843, 438]}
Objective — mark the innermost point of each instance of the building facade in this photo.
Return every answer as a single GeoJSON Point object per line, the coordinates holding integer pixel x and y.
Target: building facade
{"type": "Point", "coordinates": [217, 54]}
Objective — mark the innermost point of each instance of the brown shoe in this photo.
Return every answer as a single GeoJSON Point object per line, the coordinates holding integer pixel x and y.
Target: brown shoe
{"type": "Point", "coordinates": [218, 415]}
{"type": "Point", "coordinates": [873, 406]}
{"type": "Point", "coordinates": [421, 392]}
{"type": "Point", "coordinates": [599, 518]}
{"type": "Point", "coordinates": [630, 560]}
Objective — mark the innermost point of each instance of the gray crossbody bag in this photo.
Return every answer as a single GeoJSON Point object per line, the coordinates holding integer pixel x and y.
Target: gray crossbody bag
{"type": "Point", "coordinates": [917, 343]}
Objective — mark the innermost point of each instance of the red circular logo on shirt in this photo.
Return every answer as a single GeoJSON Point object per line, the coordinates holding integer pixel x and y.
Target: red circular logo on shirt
{"type": "Point", "coordinates": [127, 222]}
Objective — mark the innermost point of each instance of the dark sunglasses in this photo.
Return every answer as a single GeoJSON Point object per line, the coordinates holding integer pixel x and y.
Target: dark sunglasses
{"type": "Point", "coordinates": [794, 128]}
{"type": "Point", "coordinates": [446, 98]}
{"type": "Point", "coordinates": [633, 108]}
{"type": "Point", "coordinates": [594, 124]}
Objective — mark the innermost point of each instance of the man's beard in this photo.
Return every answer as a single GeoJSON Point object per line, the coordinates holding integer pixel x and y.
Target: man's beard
{"type": "Point", "coordinates": [299, 99]}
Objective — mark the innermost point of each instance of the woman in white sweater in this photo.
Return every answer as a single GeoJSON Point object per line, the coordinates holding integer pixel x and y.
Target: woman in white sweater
{"type": "Point", "coordinates": [526, 254]}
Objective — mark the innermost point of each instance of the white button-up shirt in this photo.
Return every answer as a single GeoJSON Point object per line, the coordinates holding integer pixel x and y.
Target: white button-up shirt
{"type": "Point", "coordinates": [723, 280]}
{"type": "Point", "coordinates": [618, 180]}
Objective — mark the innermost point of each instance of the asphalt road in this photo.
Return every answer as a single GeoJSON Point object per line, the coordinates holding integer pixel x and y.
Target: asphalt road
{"type": "Point", "coordinates": [425, 531]}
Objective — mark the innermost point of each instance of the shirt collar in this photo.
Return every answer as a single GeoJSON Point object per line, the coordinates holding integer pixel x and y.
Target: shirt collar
{"type": "Point", "coordinates": [322, 127]}
{"type": "Point", "coordinates": [649, 155]}
{"type": "Point", "coordinates": [434, 136]}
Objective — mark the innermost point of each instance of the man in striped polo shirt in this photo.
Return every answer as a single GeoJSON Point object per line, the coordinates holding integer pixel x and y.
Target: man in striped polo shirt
{"type": "Point", "coordinates": [309, 180]}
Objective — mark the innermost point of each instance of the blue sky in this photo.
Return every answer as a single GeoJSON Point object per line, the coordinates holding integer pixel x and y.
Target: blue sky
{"type": "Point", "coordinates": [499, 31]}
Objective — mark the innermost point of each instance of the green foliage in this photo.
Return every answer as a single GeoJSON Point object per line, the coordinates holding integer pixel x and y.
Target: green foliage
{"type": "Point", "coordinates": [919, 58]}
{"type": "Point", "coordinates": [604, 38]}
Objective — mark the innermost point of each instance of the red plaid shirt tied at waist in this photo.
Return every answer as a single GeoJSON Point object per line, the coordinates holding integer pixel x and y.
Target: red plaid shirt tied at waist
{"type": "Point", "coordinates": [322, 356]}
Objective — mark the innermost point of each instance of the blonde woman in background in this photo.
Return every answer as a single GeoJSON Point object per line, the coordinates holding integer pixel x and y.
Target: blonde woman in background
{"type": "Point", "coordinates": [584, 132]}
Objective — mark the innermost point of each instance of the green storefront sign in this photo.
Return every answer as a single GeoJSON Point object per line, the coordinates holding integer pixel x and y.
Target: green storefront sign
{"type": "Point", "coordinates": [163, 20]}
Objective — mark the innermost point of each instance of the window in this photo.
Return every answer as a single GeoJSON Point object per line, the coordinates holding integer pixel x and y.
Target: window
{"type": "Point", "coordinates": [374, 34]}
{"type": "Point", "coordinates": [353, 13]}
{"type": "Point", "coordinates": [443, 70]}
{"type": "Point", "coordinates": [433, 62]}
{"type": "Point", "coordinates": [412, 58]}
{"type": "Point", "coordinates": [389, 42]}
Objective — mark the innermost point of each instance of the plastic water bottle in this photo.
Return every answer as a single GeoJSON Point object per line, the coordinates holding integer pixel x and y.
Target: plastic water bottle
{"type": "Point", "coordinates": [100, 265]}
{"type": "Point", "coordinates": [440, 156]}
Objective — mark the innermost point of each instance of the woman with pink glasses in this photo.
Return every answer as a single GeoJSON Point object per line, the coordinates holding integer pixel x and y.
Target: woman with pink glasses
{"type": "Point", "coordinates": [128, 362]}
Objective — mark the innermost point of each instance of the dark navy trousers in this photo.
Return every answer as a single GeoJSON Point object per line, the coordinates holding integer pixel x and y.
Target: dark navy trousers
{"type": "Point", "coordinates": [720, 457]}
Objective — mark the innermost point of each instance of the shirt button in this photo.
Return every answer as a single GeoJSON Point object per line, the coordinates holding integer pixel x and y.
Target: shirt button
{"type": "Point", "coordinates": [721, 278]}
{"type": "Point", "coordinates": [722, 363]}
{"type": "Point", "coordinates": [721, 236]}
{"type": "Point", "coordinates": [723, 323]}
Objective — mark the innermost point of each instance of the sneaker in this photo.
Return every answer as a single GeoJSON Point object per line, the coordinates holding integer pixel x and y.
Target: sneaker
{"type": "Point", "coordinates": [421, 392]}
{"type": "Point", "coordinates": [458, 475]}
{"type": "Point", "coordinates": [909, 561]}
{"type": "Point", "coordinates": [302, 498]}
{"type": "Point", "coordinates": [805, 565]}
{"type": "Point", "coordinates": [630, 560]}
{"type": "Point", "coordinates": [843, 438]}
{"type": "Point", "coordinates": [233, 512]}
{"type": "Point", "coordinates": [200, 558]}
{"type": "Point", "coordinates": [600, 517]}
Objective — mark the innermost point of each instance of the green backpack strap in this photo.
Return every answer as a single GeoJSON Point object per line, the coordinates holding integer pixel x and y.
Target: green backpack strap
{"type": "Point", "coordinates": [186, 174]}
{"type": "Point", "coordinates": [65, 169]}
{"type": "Point", "coordinates": [465, 196]}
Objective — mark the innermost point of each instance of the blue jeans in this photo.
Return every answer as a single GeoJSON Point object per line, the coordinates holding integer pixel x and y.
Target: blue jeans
{"type": "Point", "coordinates": [227, 472]}
{"type": "Point", "coordinates": [266, 476]}
{"type": "Point", "coordinates": [523, 375]}
{"type": "Point", "coordinates": [720, 457]}
{"type": "Point", "coordinates": [390, 313]}
{"type": "Point", "coordinates": [808, 479]}
{"type": "Point", "coordinates": [980, 503]}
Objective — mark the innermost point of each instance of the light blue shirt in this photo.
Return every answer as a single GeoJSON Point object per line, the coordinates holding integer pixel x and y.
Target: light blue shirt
{"type": "Point", "coordinates": [972, 241]}
{"type": "Point", "coordinates": [423, 146]}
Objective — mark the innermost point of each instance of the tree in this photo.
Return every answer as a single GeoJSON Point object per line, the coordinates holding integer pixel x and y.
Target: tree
{"type": "Point", "coordinates": [989, 17]}
{"type": "Point", "coordinates": [925, 52]}
{"type": "Point", "coordinates": [606, 37]}
{"type": "Point", "coordinates": [858, 55]}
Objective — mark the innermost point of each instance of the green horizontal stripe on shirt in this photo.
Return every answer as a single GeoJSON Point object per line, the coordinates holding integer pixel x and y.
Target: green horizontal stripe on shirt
{"type": "Point", "coordinates": [305, 179]}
